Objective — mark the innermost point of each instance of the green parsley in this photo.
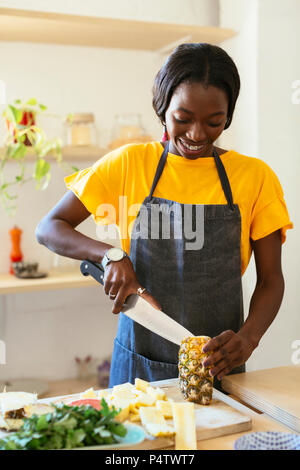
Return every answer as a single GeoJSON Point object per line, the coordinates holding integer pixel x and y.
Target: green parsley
{"type": "Point", "coordinates": [67, 427]}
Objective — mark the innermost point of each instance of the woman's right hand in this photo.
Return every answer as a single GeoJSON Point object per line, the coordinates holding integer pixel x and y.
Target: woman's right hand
{"type": "Point", "coordinates": [120, 281]}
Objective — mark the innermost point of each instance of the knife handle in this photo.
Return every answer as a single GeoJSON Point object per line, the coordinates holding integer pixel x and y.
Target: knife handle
{"type": "Point", "coordinates": [96, 271]}
{"type": "Point", "coordinates": [93, 269]}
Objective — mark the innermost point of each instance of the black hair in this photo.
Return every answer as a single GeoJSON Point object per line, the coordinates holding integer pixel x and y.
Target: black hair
{"type": "Point", "coordinates": [196, 62]}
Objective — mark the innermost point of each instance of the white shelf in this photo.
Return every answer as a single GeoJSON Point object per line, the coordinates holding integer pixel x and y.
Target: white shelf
{"type": "Point", "coordinates": [10, 284]}
{"type": "Point", "coordinates": [70, 153]}
{"type": "Point", "coordinates": [56, 28]}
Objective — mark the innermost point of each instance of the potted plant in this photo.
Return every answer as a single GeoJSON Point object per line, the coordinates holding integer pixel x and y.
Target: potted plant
{"type": "Point", "coordinates": [24, 136]}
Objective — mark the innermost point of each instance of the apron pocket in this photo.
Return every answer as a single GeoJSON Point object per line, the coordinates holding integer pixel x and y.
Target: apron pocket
{"type": "Point", "coordinates": [127, 365]}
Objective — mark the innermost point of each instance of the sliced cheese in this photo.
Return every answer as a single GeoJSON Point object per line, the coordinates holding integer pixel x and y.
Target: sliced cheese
{"type": "Point", "coordinates": [37, 409]}
{"type": "Point", "coordinates": [10, 401]}
{"type": "Point", "coordinates": [184, 422]}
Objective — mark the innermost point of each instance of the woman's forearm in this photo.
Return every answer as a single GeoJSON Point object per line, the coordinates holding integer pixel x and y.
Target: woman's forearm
{"type": "Point", "coordinates": [264, 306]}
{"type": "Point", "coordinates": [63, 239]}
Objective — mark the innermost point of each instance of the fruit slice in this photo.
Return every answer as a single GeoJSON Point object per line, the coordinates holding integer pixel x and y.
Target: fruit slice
{"type": "Point", "coordinates": [89, 393]}
{"type": "Point", "coordinates": [123, 391]}
{"type": "Point", "coordinates": [154, 422]}
{"type": "Point", "coordinates": [87, 402]}
{"type": "Point", "coordinates": [184, 422]}
{"type": "Point", "coordinates": [143, 399]}
{"type": "Point", "coordinates": [141, 384]}
{"type": "Point", "coordinates": [165, 407]}
{"type": "Point", "coordinates": [122, 404]}
{"type": "Point", "coordinates": [156, 392]}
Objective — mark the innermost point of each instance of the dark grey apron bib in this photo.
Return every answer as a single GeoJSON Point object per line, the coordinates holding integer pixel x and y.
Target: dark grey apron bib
{"type": "Point", "coordinates": [199, 288]}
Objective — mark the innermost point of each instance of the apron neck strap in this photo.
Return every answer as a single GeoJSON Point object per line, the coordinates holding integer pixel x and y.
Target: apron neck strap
{"type": "Point", "coordinates": [224, 179]}
{"type": "Point", "coordinates": [159, 169]}
{"type": "Point", "coordinates": [220, 167]}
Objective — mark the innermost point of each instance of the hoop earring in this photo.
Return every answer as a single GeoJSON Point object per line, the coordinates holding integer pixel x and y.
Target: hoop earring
{"type": "Point", "coordinates": [165, 136]}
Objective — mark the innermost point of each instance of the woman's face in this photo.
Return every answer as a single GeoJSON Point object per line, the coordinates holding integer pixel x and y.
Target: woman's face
{"type": "Point", "coordinates": [195, 118]}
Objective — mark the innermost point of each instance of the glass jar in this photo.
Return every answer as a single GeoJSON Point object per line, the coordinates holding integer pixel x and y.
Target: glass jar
{"type": "Point", "coordinates": [128, 129]}
{"type": "Point", "coordinates": [80, 129]}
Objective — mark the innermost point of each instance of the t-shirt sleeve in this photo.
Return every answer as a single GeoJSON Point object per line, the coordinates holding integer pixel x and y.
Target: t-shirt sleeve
{"type": "Point", "coordinates": [100, 186]}
{"type": "Point", "coordinates": [269, 211]}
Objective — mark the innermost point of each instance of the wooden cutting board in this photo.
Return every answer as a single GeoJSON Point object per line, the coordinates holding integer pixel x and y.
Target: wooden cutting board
{"type": "Point", "coordinates": [214, 420]}
{"type": "Point", "coordinates": [273, 391]}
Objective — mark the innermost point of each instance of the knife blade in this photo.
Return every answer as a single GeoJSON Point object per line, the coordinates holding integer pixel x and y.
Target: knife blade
{"type": "Point", "coordinates": [141, 311]}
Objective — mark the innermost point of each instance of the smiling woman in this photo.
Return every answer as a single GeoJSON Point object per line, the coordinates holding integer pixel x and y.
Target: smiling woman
{"type": "Point", "coordinates": [199, 286]}
{"type": "Point", "coordinates": [194, 96]}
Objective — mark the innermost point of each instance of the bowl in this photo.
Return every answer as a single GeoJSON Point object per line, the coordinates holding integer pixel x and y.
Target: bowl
{"type": "Point", "coordinates": [269, 440]}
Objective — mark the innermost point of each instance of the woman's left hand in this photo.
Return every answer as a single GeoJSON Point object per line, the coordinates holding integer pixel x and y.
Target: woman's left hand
{"type": "Point", "coordinates": [229, 350]}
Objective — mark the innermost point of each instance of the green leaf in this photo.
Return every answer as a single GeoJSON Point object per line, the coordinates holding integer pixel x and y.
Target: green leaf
{"type": "Point", "coordinates": [17, 151]}
{"type": "Point", "coordinates": [46, 182]}
{"type": "Point", "coordinates": [32, 101]}
{"type": "Point", "coordinates": [42, 167]}
{"type": "Point", "coordinates": [42, 423]}
{"type": "Point", "coordinates": [66, 422]}
{"type": "Point", "coordinates": [42, 107]}
{"type": "Point", "coordinates": [13, 114]}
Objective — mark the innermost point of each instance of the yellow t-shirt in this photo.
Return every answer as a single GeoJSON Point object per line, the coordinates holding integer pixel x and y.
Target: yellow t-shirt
{"type": "Point", "coordinates": [116, 185]}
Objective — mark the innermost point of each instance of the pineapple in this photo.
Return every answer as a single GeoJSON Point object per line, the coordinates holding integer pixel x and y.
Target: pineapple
{"type": "Point", "coordinates": [154, 422]}
{"type": "Point", "coordinates": [185, 427]}
{"type": "Point", "coordinates": [194, 380]}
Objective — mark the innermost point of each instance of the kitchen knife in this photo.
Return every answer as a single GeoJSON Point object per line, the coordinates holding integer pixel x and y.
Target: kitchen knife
{"type": "Point", "coordinates": [141, 311]}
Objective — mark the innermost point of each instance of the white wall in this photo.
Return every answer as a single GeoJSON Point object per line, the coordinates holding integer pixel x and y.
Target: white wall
{"type": "Point", "coordinates": [44, 331]}
{"type": "Point", "coordinates": [266, 126]}
{"type": "Point", "coordinates": [202, 12]}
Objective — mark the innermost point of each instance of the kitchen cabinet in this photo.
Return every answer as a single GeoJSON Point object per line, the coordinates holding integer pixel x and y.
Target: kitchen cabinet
{"type": "Point", "coordinates": [58, 28]}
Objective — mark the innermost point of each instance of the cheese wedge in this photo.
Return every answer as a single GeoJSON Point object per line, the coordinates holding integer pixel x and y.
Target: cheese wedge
{"type": "Point", "coordinates": [184, 422]}
{"type": "Point", "coordinates": [154, 422]}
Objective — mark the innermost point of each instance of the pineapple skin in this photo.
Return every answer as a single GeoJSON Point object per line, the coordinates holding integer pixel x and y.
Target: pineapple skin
{"type": "Point", "coordinates": [194, 380]}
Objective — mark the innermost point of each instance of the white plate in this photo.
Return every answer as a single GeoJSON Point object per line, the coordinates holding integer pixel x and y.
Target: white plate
{"type": "Point", "coordinates": [135, 435]}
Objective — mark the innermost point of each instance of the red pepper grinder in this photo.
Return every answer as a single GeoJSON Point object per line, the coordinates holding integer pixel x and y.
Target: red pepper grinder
{"type": "Point", "coordinates": [16, 253]}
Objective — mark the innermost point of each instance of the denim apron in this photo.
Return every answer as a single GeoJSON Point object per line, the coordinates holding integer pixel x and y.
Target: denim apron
{"type": "Point", "coordinates": [198, 286]}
